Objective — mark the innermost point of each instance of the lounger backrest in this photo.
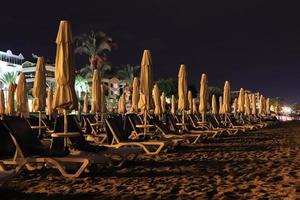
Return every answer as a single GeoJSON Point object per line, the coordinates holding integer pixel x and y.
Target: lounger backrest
{"type": "Point", "coordinates": [73, 126]}
{"type": "Point", "coordinates": [7, 146]}
{"type": "Point", "coordinates": [28, 142]}
{"type": "Point", "coordinates": [33, 121]}
{"type": "Point", "coordinates": [171, 121]}
{"type": "Point", "coordinates": [212, 121]}
{"type": "Point", "coordinates": [161, 126]}
{"type": "Point", "coordinates": [233, 120]}
{"type": "Point", "coordinates": [91, 118]}
{"type": "Point", "coordinates": [134, 120]}
{"type": "Point", "coordinates": [193, 120]}
{"type": "Point", "coordinates": [86, 124]}
{"type": "Point", "coordinates": [49, 123]}
{"type": "Point", "coordinates": [115, 130]}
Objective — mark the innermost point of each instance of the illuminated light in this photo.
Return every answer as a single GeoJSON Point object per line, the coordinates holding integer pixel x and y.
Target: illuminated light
{"type": "Point", "coordinates": [287, 110]}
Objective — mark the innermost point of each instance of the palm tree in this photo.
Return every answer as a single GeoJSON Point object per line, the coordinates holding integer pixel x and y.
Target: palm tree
{"type": "Point", "coordinates": [87, 71]}
{"type": "Point", "coordinates": [96, 46]}
{"type": "Point", "coordinates": [9, 78]}
{"type": "Point", "coordinates": [277, 103]}
{"type": "Point", "coordinates": [168, 86]}
{"type": "Point", "coordinates": [212, 90]}
{"type": "Point", "coordinates": [81, 85]}
{"type": "Point", "coordinates": [128, 73]}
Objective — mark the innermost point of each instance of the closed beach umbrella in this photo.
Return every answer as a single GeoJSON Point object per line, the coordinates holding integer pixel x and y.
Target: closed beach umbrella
{"type": "Point", "coordinates": [156, 100]}
{"type": "Point", "coordinates": [145, 81]}
{"type": "Point", "coordinates": [2, 103]}
{"type": "Point", "coordinates": [182, 89]}
{"type": "Point", "coordinates": [64, 95]}
{"type": "Point", "coordinates": [21, 97]}
{"type": "Point", "coordinates": [261, 105]}
{"type": "Point", "coordinates": [226, 98]}
{"type": "Point", "coordinates": [190, 101]}
{"type": "Point", "coordinates": [135, 95]}
{"type": "Point", "coordinates": [163, 102]}
{"type": "Point", "coordinates": [49, 102]}
{"type": "Point", "coordinates": [39, 86]}
{"type": "Point", "coordinates": [121, 108]}
{"type": "Point", "coordinates": [247, 104]}
{"type": "Point", "coordinates": [221, 105]}
{"type": "Point", "coordinates": [203, 95]}
{"type": "Point", "coordinates": [235, 106]}
{"type": "Point", "coordinates": [253, 106]}
{"type": "Point", "coordinates": [268, 106]}
{"type": "Point", "coordinates": [194, 106]}
{"type": "Point", "coordinates": [86, 104]}
{"type": "Point", "coordinates": [96, 92]}
{"type": "Point", "coordinates": [10, 103]}
{"type": "Point", "coordinates": [214, 109]}
{"type": "Point", "coordinates": [173, 105]}
{"type": "Point", "coordinates": [241, 101]}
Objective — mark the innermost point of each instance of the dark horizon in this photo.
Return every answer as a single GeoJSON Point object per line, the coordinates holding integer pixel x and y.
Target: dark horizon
{"type": "Point", "coordinates": [255, 45]}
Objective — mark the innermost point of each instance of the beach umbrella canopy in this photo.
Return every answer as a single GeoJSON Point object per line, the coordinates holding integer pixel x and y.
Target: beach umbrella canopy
{"type": "Point", "coordinates": [173, 105]}
{"type": "Point", "coordinates": [163, 102]}
{"type": "Point", "coordinates": [214, 109]}
{"type": "Point", "coordinates": [221, 110]}
{"type": "Point", "coordinates": [190, 101]}
{"type": "Point", "coordinates": [241, 101]}
{"type": "Point", "coordinates": [85, 104]}
{"type": "Point", "coordinates": [145, 81]}
{"type": "Point", "coordinates": [96, 92]}
{"type": "Point", "coordinates": [21, 97]}
{"type": "Point", "coordinates": [2, 103]}
{"type": "Point", "coordinates": [156, 100]}
{"type": "Point", "coordinates": [122, 107]}
{"type": "Point", "coordinates": [10, 103]}
{"type": "Point", "coordinates": [135, 95]}
{"type": "Point", "coordinates": [235, 106]}
{"type": "Point", "coordinates": [261, 105]}
{"type": "Point", "coordinates": [226, 98]}
{"type": "Point", "coordinates": [221, 105]}
{"type": "Point", "coordinates": [247, 104]}
{"type": "Point", "coordinates": [268, 106]}
{"type": "Point", "coordinates": [203, 94]}
{"type": "Point", "coordinates": [194, 106]}
{"type": "Point", "coordinates": [182, 89]}
{"type": "Point", "coordinates": [39, 86]}
{"type": "Point", "coordinates": [253, 104]}
{"type": "Point", "coordinates": [64, 95]}
{"type": "Point", "coordinates": [49, 102]}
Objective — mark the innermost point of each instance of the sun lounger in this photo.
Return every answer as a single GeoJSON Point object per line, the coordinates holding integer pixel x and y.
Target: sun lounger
{"type": "Point", "coordinates": [117, 137]}
{"type": "Point", "coordinates": [30, 151]}
{"type": "Point", "coordinates": [216, 125]}
{"type": "Point", "coordinates": [235, 124]}
{"type": "Point", "coordinates": [166, 132]}
{"type": "Point", "coordinates": [79, 143]}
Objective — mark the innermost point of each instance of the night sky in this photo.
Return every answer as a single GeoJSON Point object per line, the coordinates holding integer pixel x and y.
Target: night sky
{"type": "Point", "coordinates": [253, 44]}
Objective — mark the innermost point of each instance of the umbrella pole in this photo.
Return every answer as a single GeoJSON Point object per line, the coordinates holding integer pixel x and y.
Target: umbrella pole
{"type": "Point", "coordinates": [203, 117]}
{"type": "Point", "coordinates": [182, 121]}
{"type": "Point", "coordinates": [97, 121]}
{"type": "Point", "coordinates": [65, 127]}
{"type": "Point", "coordinates": [40, 123]}
{"type": "Point", "coordinates": [102, 121]}
{"type": "Point", "coordinates": [145, 122]}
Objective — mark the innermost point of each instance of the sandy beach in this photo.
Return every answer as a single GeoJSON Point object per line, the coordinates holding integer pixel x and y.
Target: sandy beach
{"type": "Point", "coordinates": [263, 164]}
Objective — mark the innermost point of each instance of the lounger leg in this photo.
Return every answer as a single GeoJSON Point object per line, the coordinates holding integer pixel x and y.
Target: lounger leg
{"type": "Point", "coordinates": [60, 167]}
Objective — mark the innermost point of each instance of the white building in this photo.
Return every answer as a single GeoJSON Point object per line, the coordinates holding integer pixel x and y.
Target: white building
{"type": "Point", "coordinates": [28, 68]}
{"type": "Point", "coordinates": [10, 63]}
